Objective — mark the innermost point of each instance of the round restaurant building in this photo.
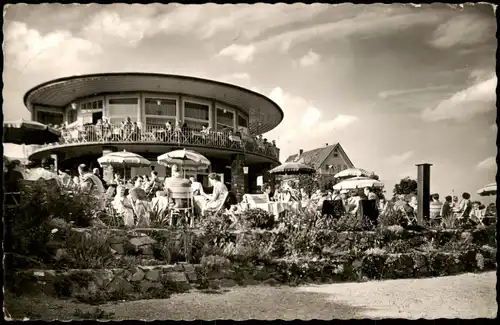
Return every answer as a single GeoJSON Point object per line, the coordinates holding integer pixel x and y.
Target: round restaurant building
{"type": "Point", "coordinates": [221, 121]}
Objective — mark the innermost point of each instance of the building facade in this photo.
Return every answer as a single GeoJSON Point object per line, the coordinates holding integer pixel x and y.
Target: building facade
{"type": "Point", "coordinates": [327, 160]}
{"type": "Point", "coordinates": [236, 117]}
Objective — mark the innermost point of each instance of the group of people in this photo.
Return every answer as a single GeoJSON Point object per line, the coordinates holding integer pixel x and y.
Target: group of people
{"type": "Point", "coordinates": [129, 130]}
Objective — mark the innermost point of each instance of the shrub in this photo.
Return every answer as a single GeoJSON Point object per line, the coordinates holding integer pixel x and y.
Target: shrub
{"type": "Point", "coordinates": [90, 250]}
{"type": "Point", "coordinates": [258, 218]}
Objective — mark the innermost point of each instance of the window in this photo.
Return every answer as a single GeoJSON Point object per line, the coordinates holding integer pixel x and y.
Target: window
{"type": "Point", "coordinates": [72, 115]}
{"type": "Point", "coordinates": [225, 118]}
{"type": "Point", "coordinates": [118, 120]}
{"type": "Point", "coordinates": [49, 118]}
{"type": "Point", "coordinates": [196, 125]}
{"type": "Point", "coordinates": [242, 121]}
{"type": "Point", "coordinates": [91, 106]}
{"type": "Point", "coordinates": [161, 107]}
{"type": "Point", "coordinates": [196, 111]}
{"type": "Point", "coordinates": [159, 121]}
{"type": "Point", "coordinates": [122, 108]}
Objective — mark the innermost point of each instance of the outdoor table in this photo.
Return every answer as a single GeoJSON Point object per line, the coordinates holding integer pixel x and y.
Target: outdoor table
{"type": "Point", "coordinates": [274, 208]}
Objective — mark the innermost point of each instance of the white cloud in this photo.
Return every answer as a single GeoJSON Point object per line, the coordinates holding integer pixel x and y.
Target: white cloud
{"type": "Point", "coordinates": [377, 20]}
{"type": "Point", "coordinates": [463, 30]}
{"type": "Point", "coordinates": [338, 123]}
{"type": "Point", "coordinates": [311, 116]}
{"type": "Point", "coordinates": [394, 93]}
{"type": "Point", "coordinates": [304, 125]}
{"type": "Point", "coordinates": [477, 99]}
{"type": "Point", "coordinates": [239, 53]}
{"type": "Point", "coordinates": [400, 158]}
{"type": "Point", "coordinates": [309, 59]}
{"type": "Point", "coordinates": [487, 164]}
{"type": "Point", "coordinates": [27, 48]}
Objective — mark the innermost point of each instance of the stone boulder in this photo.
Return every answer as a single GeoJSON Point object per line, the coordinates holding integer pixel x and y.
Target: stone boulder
{"type": "Point", "coordinates": [119, 285]}
{"type": "Point", "coordinates": [134, 244]}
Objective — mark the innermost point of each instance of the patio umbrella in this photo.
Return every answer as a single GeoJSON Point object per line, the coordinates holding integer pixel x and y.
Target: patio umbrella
{"type": "Point", "coordinates": [490, 189]}
{"type": "Point", "coordinates": [123, 159]}
{"type": "Point", "coordinates": [292, 168]}
{"type": "Point", "coordinates": [29, 132]}
{"type": "Point", "coordinates": [186, 159]}
{"type": "Point", "coordinates": [357, 182]}
{"type": "Point", "coordinates": [352, 172]}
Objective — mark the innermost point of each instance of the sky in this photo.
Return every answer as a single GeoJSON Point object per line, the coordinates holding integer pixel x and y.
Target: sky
{"type": "Point", "coordinates": [395, 85]}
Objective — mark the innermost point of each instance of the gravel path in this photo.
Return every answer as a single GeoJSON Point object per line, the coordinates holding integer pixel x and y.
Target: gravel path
{"type": "Point", "coordinates": [463, 296]}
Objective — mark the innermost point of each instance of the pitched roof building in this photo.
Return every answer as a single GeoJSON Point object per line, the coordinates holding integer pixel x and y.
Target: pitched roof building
{"type": "Point", "coordinates": [329, 159]}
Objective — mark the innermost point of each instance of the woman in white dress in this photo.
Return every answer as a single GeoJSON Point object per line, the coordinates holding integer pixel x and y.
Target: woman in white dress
{"type": "Point", "coordinates": [123, 206]}
{"type": "Point", "coordinates": [216, 199]}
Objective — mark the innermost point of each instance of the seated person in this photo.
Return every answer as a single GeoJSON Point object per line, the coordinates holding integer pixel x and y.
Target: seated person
{"type": "Point", "coordinates": [123, 206]}
{"type": "Point", "coordinates": [266, 189]}
{"type": "Point", "coordinates": [435, 207]}
{"type": "Point", "coordinates": [177, 186]}
{"type": "Point", "coordinates": [217, 198]}
{"type": "Point", "coordinates": [196, 186]}
{"type": "Point", "coordinates": [141, 206]}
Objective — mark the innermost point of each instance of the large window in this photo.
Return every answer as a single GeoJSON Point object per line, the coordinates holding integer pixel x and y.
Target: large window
{"type": "Point", "coordinates": [50, 117]}
{"type": "Point", "coordinates": [225, 119]}
{"type": "Point", "coordinates": [72, 115]}
{"type": "Point", "coordinates": [159, 111]}
{"type": "Point", "coordinates": [242, 121]}
{"type": "Point", "coordinates": [196, 111]}
{"type": "Point", "coordinates": [91, 106]}
{"type": "Point", "coordinates": [196, 115]}
{"type": "Point", "coordinates": [122, 108]}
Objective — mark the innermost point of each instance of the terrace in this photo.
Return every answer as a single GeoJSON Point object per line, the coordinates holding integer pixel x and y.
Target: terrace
{"type": "Point", "coordinates": [158, 134]}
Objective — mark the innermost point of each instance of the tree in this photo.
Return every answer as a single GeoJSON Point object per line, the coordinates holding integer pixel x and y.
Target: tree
{"type": "Point", "coordinates": [406, 186]}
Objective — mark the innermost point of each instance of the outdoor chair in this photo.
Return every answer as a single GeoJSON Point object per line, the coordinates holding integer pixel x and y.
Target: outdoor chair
{"type": "Point", "coordinates": [370, 211]}
{"type": "Point", "coordinates": [333, 208]}
{"type": "Point", "coordinates": [187, 211]}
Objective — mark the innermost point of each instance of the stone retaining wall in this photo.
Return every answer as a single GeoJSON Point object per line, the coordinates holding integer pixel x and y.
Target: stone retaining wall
{"type": "Point", "coordinates": [140, 281]}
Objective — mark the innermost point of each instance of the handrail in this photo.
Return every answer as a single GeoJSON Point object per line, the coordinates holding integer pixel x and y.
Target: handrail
{"type": "Point", "coordinates": [160, 134]}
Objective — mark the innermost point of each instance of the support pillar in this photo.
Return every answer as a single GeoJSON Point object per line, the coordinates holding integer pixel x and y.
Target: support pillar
{"type": "Point", "coordinates": [108, 172]}
{"type": "Point", "coordinates": [237, 177]}
{"type": "Point", "coordinates": [423, 191]}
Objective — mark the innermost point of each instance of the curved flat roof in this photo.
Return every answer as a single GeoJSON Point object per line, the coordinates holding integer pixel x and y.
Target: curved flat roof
{"type": "Point", "coordinates": [264, 113]}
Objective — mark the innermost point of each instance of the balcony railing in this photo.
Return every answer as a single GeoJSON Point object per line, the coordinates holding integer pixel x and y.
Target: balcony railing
{"type": "Point", "coordinates": [159, 134]}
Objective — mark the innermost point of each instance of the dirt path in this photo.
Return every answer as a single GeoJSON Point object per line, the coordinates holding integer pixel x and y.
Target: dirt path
{"type": "Point", "coordinates": [462, 296]}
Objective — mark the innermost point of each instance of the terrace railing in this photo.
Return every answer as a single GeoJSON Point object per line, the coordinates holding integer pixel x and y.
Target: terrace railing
{"type": "Point", "coordinates": [159, 134]}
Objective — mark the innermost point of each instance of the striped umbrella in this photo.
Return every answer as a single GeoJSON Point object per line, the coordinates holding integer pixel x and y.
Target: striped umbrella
{"type": "Point", "coordinates": [352, 172]}
{"type": "Point", "coordinates": [186, 159]}
{"type": "Point", "coordinates": [292, 168]}
{"type": "Point", "coordinates": [123, 159]}
{"type": "Point", "coordinates": [490, 189]}
{"type": "Point", "coordinates": [29, 132]}
{"type": "Point", "coordinates": [357, 182]}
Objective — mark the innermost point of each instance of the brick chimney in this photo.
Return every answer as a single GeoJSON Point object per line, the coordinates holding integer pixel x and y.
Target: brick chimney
{"type": "Point", "coordinates": [301, 152]}
{"type": "Point", "coordinates": [326, 144]}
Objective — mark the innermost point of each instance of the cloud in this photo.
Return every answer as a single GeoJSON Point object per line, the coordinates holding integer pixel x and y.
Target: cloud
{"type": "Point", "coordinates": [310, 58]}
{"type": "Point", "coordinates": [256, 19]}
{"type": "Point", "coordinates": [239, 53]}
{"type": "Point", "coordinates": [338, 123]}
{"type": "Point", "coordinates": [463, 30]}
{"type": "Point", "coordinates": [394, 93]}
{"type": "Point", "coordinates": [58, 50]}
{"type": "Point", "coordinates": [401, 158]}
{"type": "Point", "coordinates": [477, 99]}
{"type": "Point", "coordinates": [304, 125]}
{"type": "Point", "coordinates": [375, 21]}
{"type": "Point", "coordinates": [311, 116]}
{"type": "Point", "coordinates": [487, 164]}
